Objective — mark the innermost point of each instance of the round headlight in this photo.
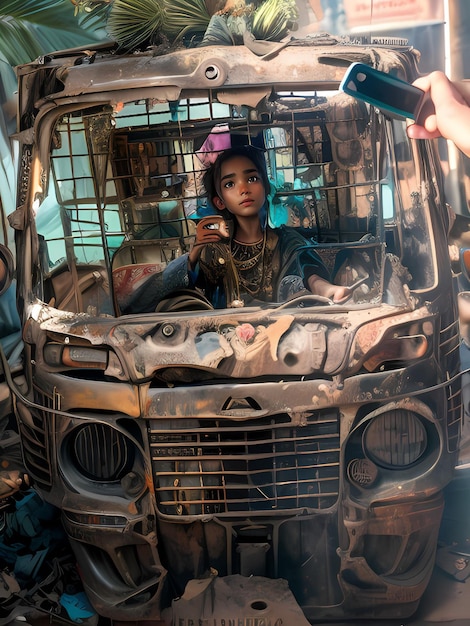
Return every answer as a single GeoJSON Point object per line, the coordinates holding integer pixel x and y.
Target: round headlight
{"type": "Point", "coordinates": [395, 439]}
{"type": "Point", "coordinates": [102, 453]}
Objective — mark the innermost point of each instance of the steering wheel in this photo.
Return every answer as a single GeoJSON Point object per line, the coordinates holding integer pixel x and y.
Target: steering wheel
{"type": "Point", "coordinates": [307, 298]}
{"type": "Point", "coordinates": [184, 300]}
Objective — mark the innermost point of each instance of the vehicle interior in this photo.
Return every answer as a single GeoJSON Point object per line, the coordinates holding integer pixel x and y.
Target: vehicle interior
{"type": "Point", "coordinates": [126, 193]}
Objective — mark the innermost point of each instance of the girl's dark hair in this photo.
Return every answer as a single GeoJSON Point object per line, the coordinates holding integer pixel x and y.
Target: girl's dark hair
{"type": "Point", "coordinates": [211, 178]}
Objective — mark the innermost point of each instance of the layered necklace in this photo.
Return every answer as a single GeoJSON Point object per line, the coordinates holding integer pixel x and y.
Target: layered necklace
{"type": "Point", "coordinates": [243, 268]}
{"type": "Point", "coordinates": [251, 262]}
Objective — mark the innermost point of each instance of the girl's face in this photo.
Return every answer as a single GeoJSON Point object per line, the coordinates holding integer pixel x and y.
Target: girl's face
{"type": "Point", "coordinates": [241, 187]}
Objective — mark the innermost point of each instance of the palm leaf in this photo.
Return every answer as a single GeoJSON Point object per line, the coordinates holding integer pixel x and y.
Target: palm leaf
{"type": "Point", "coordinates": [273, 18]}
{"type": "Point", "coordinates": [30, 28]}
{"type": "Point", "coordinates": [47, 13]}
{"type": "Point", "coordinates": [134, 22]}
{"type": "Point", "coordinates": [182, 15]}
{"type": "Point", "coordinates": [96, 19]}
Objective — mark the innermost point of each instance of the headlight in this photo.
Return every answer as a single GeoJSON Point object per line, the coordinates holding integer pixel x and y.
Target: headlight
{"type": "Point", "coordinates": [101, 453]}
{"type": "Point", "coordinates": [395, 439]}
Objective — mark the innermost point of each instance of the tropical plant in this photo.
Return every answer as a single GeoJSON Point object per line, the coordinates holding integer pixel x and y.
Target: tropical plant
{"type": "Point", "coordinates": [273, 19]}
{"type": "Point", "coordinates": [134, 22]}
{"type": "Point", "coordinates": [31, 28]}
{"type": "Point", "coordinates": [88, 6]}
{"type": "Point", "coordinates": [137, 23]}
{"type": "Point", "coordinates": [186, 14]}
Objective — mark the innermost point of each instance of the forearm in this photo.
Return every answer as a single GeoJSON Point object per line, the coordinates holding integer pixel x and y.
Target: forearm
{"type": "Point", "coordinates": [321, 287]}
{"type": "Point", "coordinates": [193, 256]}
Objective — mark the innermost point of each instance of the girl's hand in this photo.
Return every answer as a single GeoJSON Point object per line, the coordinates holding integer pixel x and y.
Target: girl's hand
{"type": "Point", "coordinates": [321, 287]}
{"type": "Point", "coordinates": [211, 229]}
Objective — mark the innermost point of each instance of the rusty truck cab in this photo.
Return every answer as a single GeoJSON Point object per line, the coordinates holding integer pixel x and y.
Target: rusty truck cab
{"type": "Point", "coordinates": [291, 455]}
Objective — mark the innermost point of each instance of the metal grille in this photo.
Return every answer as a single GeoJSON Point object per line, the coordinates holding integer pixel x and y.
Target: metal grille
{"type": "Point", "coordinates": [449, 343]}
{"type": "Point", "coordinates": [203, 467]}
{"type": "Point", "coordinates": [454, 416]}
{"type": "Point", "coordinates": [35, 442]}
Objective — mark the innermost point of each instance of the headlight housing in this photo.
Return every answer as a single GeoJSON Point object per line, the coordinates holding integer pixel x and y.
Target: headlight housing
{"type": "Point", "coordinates": [395, 439]}
{"type": "Point", "coordinates": [101, 453]}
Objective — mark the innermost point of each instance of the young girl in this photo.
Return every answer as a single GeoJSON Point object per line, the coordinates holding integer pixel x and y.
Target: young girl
{"type": "Point", "coordinates": [249, 261]}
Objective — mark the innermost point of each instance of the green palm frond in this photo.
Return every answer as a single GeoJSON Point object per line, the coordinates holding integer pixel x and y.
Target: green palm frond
{"type": "Point", "coordinates": [134, 22]}
{"type": "Point", "coordinates": [272, 20]}
{"type": "Point", "coordinates": [30, 28]}
{"type": "Point", "coordinates": [181, 15]}
{"type": "Point", "coordinates": [88, 6]}
{"type": "Point", "coordinates": [55, 14]}
{"type": "Point", "coordinates": [93, 14]}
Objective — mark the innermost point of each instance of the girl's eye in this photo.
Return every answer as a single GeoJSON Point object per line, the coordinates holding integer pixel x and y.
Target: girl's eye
{"type": "Point", "coordinates": [253, 179]}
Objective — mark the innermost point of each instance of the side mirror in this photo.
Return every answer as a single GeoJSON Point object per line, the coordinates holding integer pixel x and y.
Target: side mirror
{"type": "Point", "coordinates": [7, 267]}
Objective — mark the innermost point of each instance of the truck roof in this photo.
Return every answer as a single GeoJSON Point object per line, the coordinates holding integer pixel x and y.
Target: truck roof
{"type": "Point", "coordinates": [88, 74]}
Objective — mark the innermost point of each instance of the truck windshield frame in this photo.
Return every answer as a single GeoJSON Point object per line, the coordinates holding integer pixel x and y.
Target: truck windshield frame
{"type": "Point", "coordinates": [327, 179]}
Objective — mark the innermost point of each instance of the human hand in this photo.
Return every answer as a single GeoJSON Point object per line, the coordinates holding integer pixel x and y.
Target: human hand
{"type": "Point", "coordinates": [451, 117]}
{"type": "Point", "coordinates": [211, 229]}
{"type": "Point", "coordinates": [321, 287]}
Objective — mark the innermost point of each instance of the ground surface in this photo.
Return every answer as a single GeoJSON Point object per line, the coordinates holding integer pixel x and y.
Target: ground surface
{"type": "Point", "coordinates": [446, 601]}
